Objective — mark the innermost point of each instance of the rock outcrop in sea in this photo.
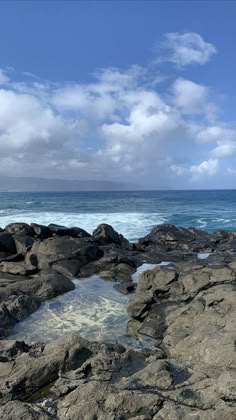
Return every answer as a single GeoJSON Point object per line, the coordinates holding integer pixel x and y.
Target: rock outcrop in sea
{"type": "Point", "coordinates": [187, 307]}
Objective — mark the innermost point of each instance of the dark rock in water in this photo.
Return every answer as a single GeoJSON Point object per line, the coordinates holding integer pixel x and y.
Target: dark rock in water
{"type": "Point", "coordinates": [51, 284]}
{"type": "Point", "coordinates": [125, 288]}
{"type": "Point", "coordinates": [7, 243]}
{"type": "Point", "coordinates": [6, 320]}
{"type": "Point", "coordinates": [19, 229]}
{"type": "Point", "coordinates": [41, 231]}
{"type": "Point", "coordinates": [105, 234]}
{"type": "Point", "coordinates": [115, 265]}
{"type": "Point", "coordinates": [45, 285]}
{"type": "Point", "coordinates": [74, 232]}
{"type": "Point", "coordinates": [22, 306]}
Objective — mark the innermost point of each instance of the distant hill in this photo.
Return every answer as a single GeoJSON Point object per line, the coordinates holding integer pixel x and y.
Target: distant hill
{"type": "Point", "coordinates": [24, 184]}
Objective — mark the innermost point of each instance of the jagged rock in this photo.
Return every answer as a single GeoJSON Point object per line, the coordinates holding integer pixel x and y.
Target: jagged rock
{"type": "Point", "coordinates": [150, 284]}
{"type": "Point", "coordinates": [10, 348]}
{"type": "Point", "coordinates": [105, 234]}
{"type": "Point", "coordinates": [18, 410]}
{"type": "Point", "coordinates": [174, 237]}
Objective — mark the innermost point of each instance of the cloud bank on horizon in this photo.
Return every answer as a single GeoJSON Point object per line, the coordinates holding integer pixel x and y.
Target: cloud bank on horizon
{"type": "Point", "coordinates": [139, 124]}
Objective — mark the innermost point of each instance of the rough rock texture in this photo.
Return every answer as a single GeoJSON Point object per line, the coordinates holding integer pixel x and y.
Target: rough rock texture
{"type": "Point", "coordinates": [188, 308]}
{"type": "Point", "coordinates": [191, 311]}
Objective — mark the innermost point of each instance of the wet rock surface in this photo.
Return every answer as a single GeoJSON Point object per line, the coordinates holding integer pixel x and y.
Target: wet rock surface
{"type": "Point", "coordinates": [188, 308]}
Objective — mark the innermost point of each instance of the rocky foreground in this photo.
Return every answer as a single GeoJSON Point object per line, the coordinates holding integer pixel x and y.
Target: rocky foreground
{"type": "Point", "coordinates": [189, 308]}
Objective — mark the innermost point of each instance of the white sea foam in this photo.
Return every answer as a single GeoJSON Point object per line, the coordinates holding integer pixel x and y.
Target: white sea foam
{"type": "Point", "coordinates": [145, 267]}
{"type": "Point", "coordinates": [131, 225]}
{"type": "Point", "coordinates": [203, 255]}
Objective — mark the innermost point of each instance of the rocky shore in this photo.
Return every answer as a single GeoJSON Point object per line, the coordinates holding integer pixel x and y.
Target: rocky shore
{"type": "Point", "coordinates": [188, 307]}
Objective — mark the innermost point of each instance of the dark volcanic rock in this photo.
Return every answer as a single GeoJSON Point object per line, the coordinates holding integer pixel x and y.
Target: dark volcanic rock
{"type": "Point", "coordinates": [188, 308]}
{"type": "Point", "coordinates": [69, 267]}
{"type": "Point", "coordinates": [173, 237]}
{"type": "Point", "coordinates": [125, 288]}
{"type": "Point", "coordinates": [105, 234]}
{"type": "Point", "coordinates": [17, 410]}
{"type": "Point", "coordinates": [41, 231]}
{"type": "Point", "coordinates": [23, 243]}
{"type": "Point", "coordinates": [7, 243]}
{"type": "Point", "coordinates": [74, 232]}
{"type": "Point", "coordinates": [90, 252]}
{"type": "Point", "coordinates": [19, 229]}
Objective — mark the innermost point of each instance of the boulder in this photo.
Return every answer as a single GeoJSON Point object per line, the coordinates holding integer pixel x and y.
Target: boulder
{"type": "Point", "coordinates": [125, 288]}
{"type": "Point", "coordinates": [105, 234]}
{"type": "Point", "coordinates": [41, 231]}
{"type": "Point", "coordinates": [17, 267]}
{"type": "Point", "coordinates": [19, 229]}
{"type": "Point", "coordinates": [22, 306]}
{"type": "Point", "coordinates": [174, 237]}
{"type": "Point", "coordinates": [7, 243]}
{"type": "Point", "coordinates": [69, 267]}
{"type": "Point", "coordinates": [61, 246]}
{"type": "Point", "coordinates": [90, 252]}
{"type": "Point", "coordinates": [23, 243]}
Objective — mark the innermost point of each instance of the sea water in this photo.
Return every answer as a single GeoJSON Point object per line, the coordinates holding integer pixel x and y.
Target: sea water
{"type": "Point", "coordinates": [132, 213]}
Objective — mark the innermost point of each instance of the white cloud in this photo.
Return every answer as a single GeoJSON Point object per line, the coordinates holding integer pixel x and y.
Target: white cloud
{"type": "Point", "coordinates": [216, 134]}
{"type": "Point", "coordinates": [120, 126]}
{"type": "Point", "coordinates": [209, 167]}
{"type": "Point", "coordinates": [187, 48]}
{"type": "Point", "coordinates": [189, 96]}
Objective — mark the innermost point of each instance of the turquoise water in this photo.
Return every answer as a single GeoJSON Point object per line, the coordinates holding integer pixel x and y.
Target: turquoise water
{"type": "Point", "coordinates": [132, 213]}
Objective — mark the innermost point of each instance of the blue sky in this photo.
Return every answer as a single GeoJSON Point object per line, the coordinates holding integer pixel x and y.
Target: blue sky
{"type": "Point", "coordinates": [122, 90]}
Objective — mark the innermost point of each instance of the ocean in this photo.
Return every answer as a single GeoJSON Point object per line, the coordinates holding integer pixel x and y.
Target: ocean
{"type": "Point", "coordinates": [132, 213]}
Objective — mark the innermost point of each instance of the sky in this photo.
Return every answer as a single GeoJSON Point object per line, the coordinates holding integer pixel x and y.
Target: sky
{"type": "Point", "coordinates": [130, 91]}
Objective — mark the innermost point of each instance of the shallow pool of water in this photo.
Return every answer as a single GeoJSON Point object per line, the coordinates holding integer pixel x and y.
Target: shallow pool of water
{"type": "Point", "coordinates": [94, 310]}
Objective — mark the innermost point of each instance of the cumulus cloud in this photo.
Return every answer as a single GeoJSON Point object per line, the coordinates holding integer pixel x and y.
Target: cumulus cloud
{"type": "Point", "coordinates": [187, 48]}
{"type": "Point", "coordinates": [209, 167]}
{"type": "Point", "coordinates": [119, 126]}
